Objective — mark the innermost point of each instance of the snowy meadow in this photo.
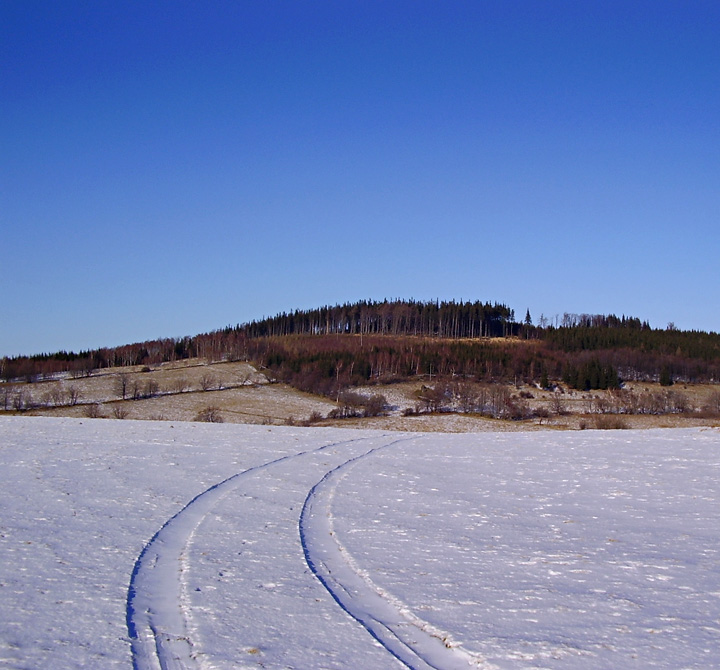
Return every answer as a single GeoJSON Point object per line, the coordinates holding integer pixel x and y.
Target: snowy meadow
{"type": "Point", "coordinates": [140, 544]}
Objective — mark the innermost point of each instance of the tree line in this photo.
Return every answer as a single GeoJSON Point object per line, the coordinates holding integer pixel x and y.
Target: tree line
{"type": "Point", "coordinates": [392, 340]}
{"type": "Point", "coordinates": [398, 317]}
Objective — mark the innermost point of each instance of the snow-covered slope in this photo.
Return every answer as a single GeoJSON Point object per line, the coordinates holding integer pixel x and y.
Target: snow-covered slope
{"type": "Point", "coordinates": [151, 544]}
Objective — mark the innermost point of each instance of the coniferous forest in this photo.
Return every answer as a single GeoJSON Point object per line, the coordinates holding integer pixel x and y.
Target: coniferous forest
{"type": "Point", "coordinates": [322, 349]}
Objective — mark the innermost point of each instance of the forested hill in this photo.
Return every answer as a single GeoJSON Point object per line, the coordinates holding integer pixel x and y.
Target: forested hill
{"type": "Point", "coordinates": [403, 338]}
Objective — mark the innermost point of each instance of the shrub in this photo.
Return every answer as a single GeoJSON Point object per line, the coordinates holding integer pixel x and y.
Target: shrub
{"type": "Point", "coordinates": [314, 418]}
{"type": "Point", "coordinates": [92, 411]}
{"type": "Point", "coordinates": [542, 413]}
{"type": "Point", "coordinates": [516, 410]}
{"type": "Point", "coordinates": [209, 415]}
{"type": "Point", "coordinates": [607, 422]}
{"type": "Point", "coordinates": [711, 408]}
{"type": "Point", "coordinates": [433, 398]}
{"type": "Point", "coordinates": [207, 382]}
{"type": "Point", "coordinates": [375, 405]}
{"type": "Point", "coordinates": [120, 412]}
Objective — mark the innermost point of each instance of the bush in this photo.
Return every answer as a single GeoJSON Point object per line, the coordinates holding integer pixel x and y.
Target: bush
{"type": "Point", "coordinates": [542, 413]}
{"type": "Point", "coordinates": [120, 412]}
{"type": "Point", "coordinates": [433, 398]}
{"type": "Point", "coordinates": [607, 422]}
{"type": "Point", "coordinates": [516, 410]}
{"type": "Point", "coordinates": [209, 415]}
{"type": "Point", "coordinates": [207, 382]}
{"type": "Point", "coordinates": [315, 417]}
{"type": "Point", "coordinates": [351, 404]}
{"type": "Point", "coordinates": [92, 411]}
{"type": "Point", "coordinates": [375, 405]}
{"type": "Point", "coordinates": [712, 406]}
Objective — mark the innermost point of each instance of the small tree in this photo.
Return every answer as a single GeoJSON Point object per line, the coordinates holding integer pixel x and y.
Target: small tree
{"type": "Point", "coordinates": [92, 411]}
{"type": "Point", "coordinates": [544, 380]}
{"type": "Point", "coordinates": [135, 389]}
{"type": "Point", "coordinates": [433, 398]}
{"type": "Point", "coordinates": [207, 382]}
{"type": "Point", "coordinates": [557, 405]}
{"type": "Point", "coordinates": [152, 388]}
{"type": "Point", "coordinates": [180, 385]}
{"type": "Point", "coordinates": [375, 405]}
{"type": "Point", "coordinates": [666, 376]}
{"type": "Point", "coordinates": [119, 412]}
{"type": "Point", "coordinates": [350, 404]}
{"type": "Point", "coordinates": [712, 406]}
{"type": "Point", "coordinates": [210, 414]}
{"type": "Point", "coordinates": [122, 379]}
{"type": "Point", "coordinates": [466, 395]}
{"type": "Point", "coordinates": [542, 413]}
{"type": "Point", "coordinates": [73, 395]}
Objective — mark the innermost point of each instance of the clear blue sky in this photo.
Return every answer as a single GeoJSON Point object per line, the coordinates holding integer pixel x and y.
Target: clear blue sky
{"type": "Point", "coordinates": [169, 168]}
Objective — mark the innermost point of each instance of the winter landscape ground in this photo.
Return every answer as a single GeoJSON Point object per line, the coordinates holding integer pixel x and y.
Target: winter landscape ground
{"type": "Point", "coordinates": [239, 392]}
{"type": "Point", "coordinates": [184, 545]}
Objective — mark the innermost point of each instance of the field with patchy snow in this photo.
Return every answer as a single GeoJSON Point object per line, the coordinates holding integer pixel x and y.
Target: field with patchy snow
{"type": "Point", "coordinates": [155, 545]}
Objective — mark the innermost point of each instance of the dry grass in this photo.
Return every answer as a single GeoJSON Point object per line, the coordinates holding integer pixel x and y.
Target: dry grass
{"type": "Point", "coordinates": [238, 393]}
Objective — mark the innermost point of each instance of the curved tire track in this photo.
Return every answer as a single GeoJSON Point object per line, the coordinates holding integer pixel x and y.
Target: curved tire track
{"type": "Point", "coordinates": [414, 642]}
{"type": "Point", "coordinates": [157, 610]}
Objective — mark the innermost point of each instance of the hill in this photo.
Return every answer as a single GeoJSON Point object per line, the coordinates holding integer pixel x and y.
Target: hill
{"type": "Point", "coordinates": [368, 359]}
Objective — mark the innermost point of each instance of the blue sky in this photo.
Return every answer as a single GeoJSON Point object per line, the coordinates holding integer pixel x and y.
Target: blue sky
{"type": "Point", "coordinates": [169, 168]}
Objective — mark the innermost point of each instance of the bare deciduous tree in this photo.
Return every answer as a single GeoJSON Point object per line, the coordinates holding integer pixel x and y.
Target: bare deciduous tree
{"type": "Point", "coordinates": [433, 398]}
{"type": "Point", "coordinates": [210, 415]}
{"type": "Point", "coordinates": [92, 411]}
{"type": "Point", "coordinates": [122, 379]}
{"type": "Point", "coordinates": [712, 405]}
{"type": "Point", "coordinates": [180, 385]}
{"type": "Point", "coordinates": [120, 412]}
{"type": "Point", "coordinates": [207, 381]}
{"type": "Point", "coordinates": [152, 388]}
{"type": "Point", "coordinates": [557, 405]}
{"type": "Point", "coordinates": [466, 395]}
{"type": "Point", "coordinates": [73, 395]}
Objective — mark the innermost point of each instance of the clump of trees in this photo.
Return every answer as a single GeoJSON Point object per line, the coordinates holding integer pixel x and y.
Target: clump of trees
{"type": "Point", "coordinates": [353, 404]}
{"type": "Point", "coordinates": [591, 375]}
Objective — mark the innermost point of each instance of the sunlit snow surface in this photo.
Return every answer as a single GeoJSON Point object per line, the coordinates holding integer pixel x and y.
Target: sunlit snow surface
{"type": "Point", "coordinates": [152, 544]}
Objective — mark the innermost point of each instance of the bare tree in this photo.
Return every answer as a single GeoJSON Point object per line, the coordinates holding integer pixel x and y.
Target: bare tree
{"type": "Point", "coordinates": [207, 381]}
{"type": "Point", "coordinates": [433, 398]}
{"type": "Point", "coordinates": [73, 395]}
{"type": "Point", "coordinates": [209, 414]}
{"type": "Point", "coordinates": [120, 412]}
{"type": "Point", "coordinates": [466, 395]}
{"type": "Point", "coordinates": [92, 411]}
{"type": "Point", "coordinates": [152, 388]}
{"type": "Point", "coordinates": [712, 405]}
{"type": "Point", "coordinates": [557, 404]}
{"type": "Point", "coordinates": [180, 385]}
{"type": "Point", "coordinates": [122, 379]}
{"type": "Point", "coordinates": [542, 413]}
{"type": "Point", "coordinates": [135, 389]}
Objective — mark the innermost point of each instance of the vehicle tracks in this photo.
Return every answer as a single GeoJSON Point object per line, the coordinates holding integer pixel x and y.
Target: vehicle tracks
{"type": "Point", "coordinates": [159, 610]}
{"type": "Point", "coordinates": [413, 641]}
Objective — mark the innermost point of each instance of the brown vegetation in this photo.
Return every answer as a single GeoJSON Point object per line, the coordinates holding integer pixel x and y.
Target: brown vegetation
{"type": "Point", "coordinates": [375, 362]}
{"type": "Point", "coordinates": [241, 394]}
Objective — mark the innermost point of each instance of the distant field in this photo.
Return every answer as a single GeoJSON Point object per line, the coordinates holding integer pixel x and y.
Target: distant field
{"type": "Point", "coordinates": [236, 392]}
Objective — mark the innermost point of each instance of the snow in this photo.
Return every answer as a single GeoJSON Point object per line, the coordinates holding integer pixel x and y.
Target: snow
{"type": "Point", "coordinates": [181, 545]}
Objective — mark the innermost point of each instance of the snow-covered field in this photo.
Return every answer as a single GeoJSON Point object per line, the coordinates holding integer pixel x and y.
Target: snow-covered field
{"type": "Point", "coordinates": [179, 545]}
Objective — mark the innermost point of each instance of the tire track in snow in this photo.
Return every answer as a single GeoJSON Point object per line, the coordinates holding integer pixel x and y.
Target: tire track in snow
{"type": "Point", "coordinates": [413, 641]}
{"type": "Point", "coordinates": [157, 608]}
